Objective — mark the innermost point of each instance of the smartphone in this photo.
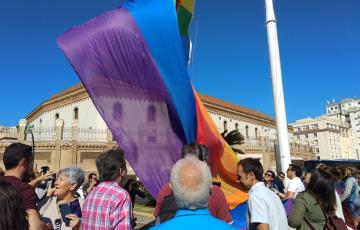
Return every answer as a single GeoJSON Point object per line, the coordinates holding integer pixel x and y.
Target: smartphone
{"type": "Point", "coordinates": [65, 210]}
{"type": "Point", "coordinates": [53, 179]}
{"type": "Point", "coordinates": [75, 208]}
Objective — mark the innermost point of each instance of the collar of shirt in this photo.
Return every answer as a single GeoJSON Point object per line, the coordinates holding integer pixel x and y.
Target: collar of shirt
{"type": "Point", "coordinates": [189, 212]}
{"type": "Point", "coordinates": [257, 185]}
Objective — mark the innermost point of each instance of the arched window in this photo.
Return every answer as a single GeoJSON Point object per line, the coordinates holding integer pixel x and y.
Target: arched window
{"type": "Point", "coordinates": [57, 116]}
{"type": "Point", "coordinates": [151, 113]}
{"type": "Point", "coordinates": [247, 131]}
{"type": "Point", "coordinates": [256, 133]}
{"type": "Point", "coordinates": [236, 126]}
{"type": "Point", "coordinates": [117, 111]}
{"type": "Point", "coordinates": [76, 113]}
{"type": "Point", "coordinates": [225, 125]}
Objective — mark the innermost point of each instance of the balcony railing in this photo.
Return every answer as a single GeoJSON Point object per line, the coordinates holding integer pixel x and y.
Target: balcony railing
{"type": "Point", "coordinates": [8, 133]}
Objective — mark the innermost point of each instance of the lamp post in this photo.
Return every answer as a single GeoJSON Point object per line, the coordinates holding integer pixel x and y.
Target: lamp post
{"type": "Point", "coordinates": [28, 129]}
{"type": "Point", "coordinates": [278, 93]}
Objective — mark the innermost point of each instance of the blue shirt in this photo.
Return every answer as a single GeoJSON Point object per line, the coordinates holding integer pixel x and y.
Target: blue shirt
{"type": "Point", "coordinates": [194, 219]}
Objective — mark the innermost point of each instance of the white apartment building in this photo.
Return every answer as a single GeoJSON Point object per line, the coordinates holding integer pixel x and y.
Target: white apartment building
{"type": "Point", "coordinates": [348, 110]}
{"type": "Point", "coordinates": [331, 138]}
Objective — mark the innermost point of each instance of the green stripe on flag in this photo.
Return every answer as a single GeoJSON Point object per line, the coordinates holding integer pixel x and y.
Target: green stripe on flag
{"type": "Point", "coordinates": [184, 19]}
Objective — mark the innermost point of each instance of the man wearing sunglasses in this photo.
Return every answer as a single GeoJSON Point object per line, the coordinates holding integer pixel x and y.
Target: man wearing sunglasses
{"type": "Point", "coordinates": [295, 185]}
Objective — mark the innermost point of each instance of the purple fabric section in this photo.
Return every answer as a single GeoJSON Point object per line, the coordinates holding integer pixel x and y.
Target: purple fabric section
{"type": "Point", "coordinates": [113, 62]}
{"type": "Point", "coordinates": [288, 206]}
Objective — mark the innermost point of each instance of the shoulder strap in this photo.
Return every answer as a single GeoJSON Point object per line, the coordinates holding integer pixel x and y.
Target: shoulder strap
{"type": "Point", "coordinates": [309, 224]}
{"type": "Point", "coordinates": [323, 210]}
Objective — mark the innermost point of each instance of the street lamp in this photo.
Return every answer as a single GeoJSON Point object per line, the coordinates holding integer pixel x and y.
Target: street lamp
{"type": "Point", "coordinates": [28, 129]}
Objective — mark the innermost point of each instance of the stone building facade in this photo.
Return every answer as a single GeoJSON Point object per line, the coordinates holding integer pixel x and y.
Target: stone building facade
{"type": "Point", "coordinates": [347, 111]}
{"type": "Point", "coordinates": [330, 138]}
{"type": "Point", "coordinates": [68, 130]}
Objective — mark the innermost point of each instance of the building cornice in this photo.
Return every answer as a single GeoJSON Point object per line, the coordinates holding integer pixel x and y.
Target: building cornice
{"type": "Point", "coordinates": [68, 96]}
{"type": "Point", "coordinates": [78, 92]}
{"type": "Point", "coordinates": [316, 131]}
{"type": "Point", "coordinates": [216, 105]}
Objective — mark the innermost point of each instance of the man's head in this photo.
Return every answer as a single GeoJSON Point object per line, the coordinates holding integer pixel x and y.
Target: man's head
{"type": "Point", "coordinates": [19, 157]}
{"type": "Point", "coordinates": [191, 183]}
{"type": "Point", "coordinates": [281, 176]}
{"type": "Point", "coordinates": [111, 166]}
{"type": "Point", "coordinates": [249, 172]}
{"type": "Point", "coordinates": [197, 150]}
{"type": "Point", "coordinates": [294, 171]}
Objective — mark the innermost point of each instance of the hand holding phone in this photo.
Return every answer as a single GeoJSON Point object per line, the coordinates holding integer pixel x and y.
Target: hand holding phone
{"type": "Point", "coordinates": [75, 221]}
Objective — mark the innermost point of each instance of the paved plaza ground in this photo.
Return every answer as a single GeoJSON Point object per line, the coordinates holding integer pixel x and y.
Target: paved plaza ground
{"type": "Point", "coordinates": [144, 215]}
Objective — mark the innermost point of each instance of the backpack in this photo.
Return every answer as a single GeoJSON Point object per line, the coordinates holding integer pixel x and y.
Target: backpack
{"type": "Point", "coordinates": [332, 221]}
{"type": "Point", "coordinates": [167, 210]}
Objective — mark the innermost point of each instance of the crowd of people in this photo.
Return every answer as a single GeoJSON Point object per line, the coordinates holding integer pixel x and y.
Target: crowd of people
{"type": "Point", "coordinates": [326, 196]}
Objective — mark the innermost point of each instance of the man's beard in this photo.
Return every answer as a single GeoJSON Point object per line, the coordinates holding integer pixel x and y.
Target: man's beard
{"type": "Point", "coordinates": [28, 176]}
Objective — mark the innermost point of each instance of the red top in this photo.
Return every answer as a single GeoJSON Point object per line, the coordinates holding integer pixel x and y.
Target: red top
{"type": "Point", "coordinates": [27, 192]}
{"type": "Point", "coordinates": [217, 203]}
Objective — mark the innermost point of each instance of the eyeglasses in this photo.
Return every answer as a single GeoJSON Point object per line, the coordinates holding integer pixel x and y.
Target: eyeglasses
{"type": "Point", "coordinates": [282, 176]}
{"type": "Point", "coordinates": [268, 174]}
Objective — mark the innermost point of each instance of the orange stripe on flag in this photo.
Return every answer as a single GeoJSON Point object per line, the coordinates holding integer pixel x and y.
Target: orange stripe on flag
{"type": "Point", "coordinates": [222, 159]}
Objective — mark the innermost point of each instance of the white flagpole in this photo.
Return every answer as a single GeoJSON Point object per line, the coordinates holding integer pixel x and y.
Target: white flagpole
{"type": "Point", "coordinates": [278, 93]}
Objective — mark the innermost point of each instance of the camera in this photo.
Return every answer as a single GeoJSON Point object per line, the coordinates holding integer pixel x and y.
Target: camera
{"type": "Point", "coordinates": [44, 169]}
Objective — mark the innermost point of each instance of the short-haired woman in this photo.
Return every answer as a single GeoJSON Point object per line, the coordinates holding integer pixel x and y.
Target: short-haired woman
{"type": "Point", "coordinates": [62, 199]}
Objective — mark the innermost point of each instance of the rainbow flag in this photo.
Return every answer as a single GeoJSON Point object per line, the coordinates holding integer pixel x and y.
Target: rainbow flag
{"type": "Point", "coordinates": [185, 11]}
{"type": "Point", "coordinates": [131, 62]}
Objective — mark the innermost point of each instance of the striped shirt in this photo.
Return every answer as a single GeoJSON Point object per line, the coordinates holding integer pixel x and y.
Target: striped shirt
{"type": "Point", "coordinates": [108, 206]}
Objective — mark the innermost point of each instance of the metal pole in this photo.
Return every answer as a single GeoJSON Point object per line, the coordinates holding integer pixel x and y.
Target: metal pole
{"type": "Point", "coordinates": [278, 93]}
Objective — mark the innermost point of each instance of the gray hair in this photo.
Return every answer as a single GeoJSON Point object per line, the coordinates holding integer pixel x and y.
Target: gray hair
{"type": "Point", "coordinates": [191, 183]}
{"type": "Point", "coordinates": [75, 175]}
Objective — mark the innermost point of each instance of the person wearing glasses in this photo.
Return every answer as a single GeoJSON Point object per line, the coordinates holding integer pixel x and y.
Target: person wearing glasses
{"type": "Point", "coordinates": [280, 180]}
{"type": "Point", "coordinates": [295, 185]}
{"type": "Point", "coordinates": [281, 176]}
{"type": "Point", "coordinates": [93, 181]}
{"type": "Point", "coordinates": [272, 182]}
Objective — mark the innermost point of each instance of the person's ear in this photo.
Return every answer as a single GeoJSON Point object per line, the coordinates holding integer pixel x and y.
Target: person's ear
{"type": "Point", "coordinates": [252, 175]}
{"type": "Point", "coordinates": [24, 163]}
{"type": "Point", "coordinates": [72, 187]}
{"type": "Point", "coordinates": [123, 172]}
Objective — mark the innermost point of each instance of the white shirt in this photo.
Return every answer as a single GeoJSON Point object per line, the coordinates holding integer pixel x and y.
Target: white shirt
{"type": "Point", "coordinates": [339, 211]}
{"type": "Point", "coordinates": [296, 186]}
{"type": "Point", "coordinates": [265, 207]}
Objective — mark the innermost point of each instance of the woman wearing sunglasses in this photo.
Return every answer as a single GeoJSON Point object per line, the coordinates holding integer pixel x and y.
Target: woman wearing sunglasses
{"type": "Point", "coordinates": [269, 180]}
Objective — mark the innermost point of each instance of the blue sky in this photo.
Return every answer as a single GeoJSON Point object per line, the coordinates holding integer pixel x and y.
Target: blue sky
{"type": "Point", "coordinates": [319, 48]}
